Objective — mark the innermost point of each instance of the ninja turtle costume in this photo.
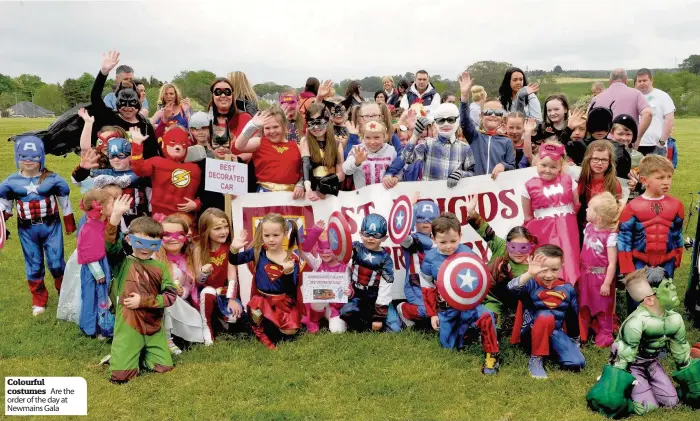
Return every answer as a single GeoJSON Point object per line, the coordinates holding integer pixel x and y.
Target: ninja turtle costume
{"type": "Point", "coordinates": [139, 338]}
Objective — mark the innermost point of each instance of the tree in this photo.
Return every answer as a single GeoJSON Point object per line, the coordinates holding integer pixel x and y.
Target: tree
{"type": "Point", "coordinates": [77, 91]}
{"type": "Point", "coordinates": [263, 89]}
{"type": "Point", "coordinates": [558, 69]}
{"type": "Point", "coordinates": [153, 83]}
{"type": "Point", "coordinates": [51, 98]}
{"type": "Point", "coordinates": [28, 84]}
{"type": "Point", "coordinates": [195, 84]}
{"type": "Point", "coordinates": [6, 83]}
{"type": "Point", "coordinates": [692, 64]}
{"type": "Point", "coordinates": [489, 74]}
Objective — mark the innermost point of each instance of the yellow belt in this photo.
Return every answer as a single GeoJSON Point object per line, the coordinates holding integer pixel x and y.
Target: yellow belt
{"type": "Point", "coordinates": [276, 186]}
{"type": "Point", "coordinates": [321, 171]}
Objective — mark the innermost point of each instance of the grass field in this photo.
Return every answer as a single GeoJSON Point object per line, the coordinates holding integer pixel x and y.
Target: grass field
{"type": "Point", "coordinates": [567, 80]}
{"type": "Point", "coordinates": [404, 376]}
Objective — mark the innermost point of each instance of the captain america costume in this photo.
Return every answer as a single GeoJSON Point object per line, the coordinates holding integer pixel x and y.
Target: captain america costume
{"type": "Point", "coordinates": [651, 234]}
{"type": "Point", "coordinates": [455, 323]}
{"type": "Point", "coordinates": [37, 199]}
{"type": "Point", "coordinates": [371, 274]}
{"type": "Point", "coordinates": [542, 314]}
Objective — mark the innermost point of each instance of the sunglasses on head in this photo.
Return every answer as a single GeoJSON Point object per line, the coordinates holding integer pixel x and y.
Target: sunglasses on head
{"type": "Point", "coordinates": [449, 120]}
{"type": "Point", "coordinates": [225, 91]}
{"type": "Point", "coordinates": [519, 248]}
{"type": "Point", "coordinates": [124, 103]}
{"type": "Point", "coordinates": [376, 235]}
{"type": "Point", "coordinates": [178, 236]}
{"type": "Point", "coordinates": [497, 113]}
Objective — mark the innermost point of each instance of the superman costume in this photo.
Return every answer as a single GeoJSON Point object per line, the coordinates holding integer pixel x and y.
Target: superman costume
{"type": "Point", "coordinates": [38, 221]}
{"type": "Point", "coordinates": [454, 323]}
{"type": "Point", "coordinates": [371, 274]}
{"type": "Point", "coordinates": [651, 234]}
{"type": "Point", "coordinates": [275, 302]}
{"type": "Point", "coordinates": [542, 314]}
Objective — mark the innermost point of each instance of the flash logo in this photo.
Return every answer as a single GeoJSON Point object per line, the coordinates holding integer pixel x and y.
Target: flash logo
{"type": "Point", "coordinates": [180, 178]}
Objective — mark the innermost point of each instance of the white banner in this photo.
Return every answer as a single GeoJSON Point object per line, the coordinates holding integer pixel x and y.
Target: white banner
{"type": "Point", "coordinates": [226, 177]}
{"type": "Point", "coordinates": [499, 202]}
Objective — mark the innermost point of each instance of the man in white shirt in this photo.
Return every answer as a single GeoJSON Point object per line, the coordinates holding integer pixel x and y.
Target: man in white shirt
{"type": "Point", "coordinates": [663, 109]}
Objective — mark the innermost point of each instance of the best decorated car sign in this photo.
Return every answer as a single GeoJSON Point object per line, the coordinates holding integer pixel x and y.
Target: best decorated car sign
{"type": "Point", "coordinates": [226, 177]}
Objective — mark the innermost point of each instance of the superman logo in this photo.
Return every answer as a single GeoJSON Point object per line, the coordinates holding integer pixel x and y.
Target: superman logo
{"type": "Point", "coordinates": [552, 298]}
{"type": "Point", "coordinates": [273, 271]}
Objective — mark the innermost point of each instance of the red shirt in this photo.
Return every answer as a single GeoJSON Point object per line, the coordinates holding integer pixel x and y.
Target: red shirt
{"type": "Point", "coordinates": [238, 122]}
{"type": "Point", "coordinates": [277, 162]}
{"type": "Point", "coordinates": [219, 260]}
{"type": "Point", "coordinates": [596, 186]}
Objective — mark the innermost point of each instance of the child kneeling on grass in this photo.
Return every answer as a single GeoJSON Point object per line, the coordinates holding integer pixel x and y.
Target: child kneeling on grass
{"type": "Point", "coordinates": [142, 288]}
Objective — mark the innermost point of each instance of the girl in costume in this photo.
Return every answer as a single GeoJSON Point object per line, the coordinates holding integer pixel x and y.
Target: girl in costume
{"type": "Point", "coordinates": [508, 260]}
{"type": "Point", "coordinates": [95, 274]}
{"type": "Point", "coordinates": [325, 262]}
{"type": "Point", "coordinates": [322, 159]}
{"type": "Point", "coordinates": [598, 266]}
{"type": "Point", "coordinates": [597, 176]}
{"type": "Point", "coordinates": [367, 162]}
{"type": "Point", "coordinates": [277, 161]}
{"type": "Point", "coordinates": [181, 319]}
{"type": "Point", "coordinates": [550, 203]}
{"type": "Point", "coordinates": [275, 305]}
{"type": "Point", "coordinates": [216, 295]}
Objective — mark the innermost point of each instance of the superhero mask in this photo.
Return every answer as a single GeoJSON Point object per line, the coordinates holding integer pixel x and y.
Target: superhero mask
{"type": "Point", "coordinates": [29, 148]}
{"type": "Point", "coordinates": [425, 211]}
{"type": "Point", "coordinates": [141, 243]}
{"type": "Point", "coordinates": [118, 147]}
{"type": "Point", "coordinates": [323, 245]}
{"type": "Point", "coordinates": [519, 248]}
{"type": "Point", "coordinates": [667, 295]}
{"type": "Point", "coordinates": [127, 97]}
{"type": "Point", "coordinates": [318, 123]}
{"type": "Point", "coordinates": [447, 119]}
{"type": "Point", "coordinates": [220, 141]}
{"type": "Point", "coordinates": [175, 144]}
{"type": "Point", "coordinates": [175, 237]}
{"type": "Point", "coordinates": [103, 140]}
{"type": "Point", "coordinates": [549, 150]}
{"type": "Point", "coordinates": [288, 100]}
{"type": "Point", "coordinates": [337, 110]}
{"type": "Point", "coordinates": [374, 225]}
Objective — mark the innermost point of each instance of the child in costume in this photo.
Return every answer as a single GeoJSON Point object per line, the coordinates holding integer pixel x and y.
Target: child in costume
{"type": "Point", "coordinates": [415, 247]}
{"type": "Point", "coordinates": [142, 288]}
{"type": "Point", "coordinates": [181, 318]}
{"type": "Point", "coordinates": [174, 181]}
{"type": "Point", "coordinates": [95, 274]}
{"type": "Point", "coordinates": [548, 302]}
{"type": "Point", "coordinates": [549, 206]}
{"type": "Point", "coordinates": [453, 323]}
{"type": "Point", "coordinates": [598, 266]}
{"type": "Point", "coordinates": [321, 157]}
{"type": "Point", "coordinates": [325, 262]}
{"type": "Point", "coordinates": [597, 176]}
{"type": "Point", "coordinates": [651, 328]}
{"type": "Point", "coordinates": [493, 152]}
{"type": "Point", "coordinates": [217, 279]}
{"type": "Point", "coordinates": [367, 162]}
{"type": "Point", "coordinates": [371, 273]}
{"type": "Point", "coordinates": [508, 260]}
{"type": "Point", "coordinates": [275, 306]}
{"type": "Point", "coordinates": [651, 226]}
{"type": "Point", "coordinates": [38, 193]}
{"type": "Point", "coordinates": [93, 158]}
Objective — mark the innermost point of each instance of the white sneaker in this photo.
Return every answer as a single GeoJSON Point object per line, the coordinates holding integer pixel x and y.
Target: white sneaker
{"type": "Point", "coordinates": [36, 310]}
{"type": "Point", "coordinates": [174, 349]}
{"type": "Point", "coordinates": [408, 323]}
{"type": "Point", "coordinates": [106, 359]}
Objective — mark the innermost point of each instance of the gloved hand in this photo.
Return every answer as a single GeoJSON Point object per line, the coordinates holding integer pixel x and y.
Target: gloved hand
{"type": "Point", "coordinates": [611, 395]}
{"type": "Point", "coordinates": [454, 178]}
{"type": "Point", "coordinates": [421, 124]}
{"type": "Point", "coordinates": [688, 379]}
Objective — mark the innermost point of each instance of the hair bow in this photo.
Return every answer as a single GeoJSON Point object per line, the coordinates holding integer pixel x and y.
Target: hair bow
{"type": "Point", "coordinates": [159, 217]}
{"type": "Point", "coordinates": [95, 211]}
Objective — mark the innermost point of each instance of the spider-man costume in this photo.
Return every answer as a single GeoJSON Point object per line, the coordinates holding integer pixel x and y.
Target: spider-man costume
{"type": "Point", "coordinates": [651, 234]}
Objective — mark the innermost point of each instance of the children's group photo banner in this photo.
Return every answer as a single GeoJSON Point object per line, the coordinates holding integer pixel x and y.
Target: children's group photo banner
{"type": "Point", "coordinates": [498, 202]}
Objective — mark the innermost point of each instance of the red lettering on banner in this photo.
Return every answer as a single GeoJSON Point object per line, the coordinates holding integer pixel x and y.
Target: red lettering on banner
{"type": "Point", "coordinates": [492, 207]}
{"type": "Point", "coordinates": [441, 204]}
{"type": "Point", "coordinates": [397, 255]}
{"type": "Point", "coordinates": [452, 208]}
{"type": "Point", "coordinates": [509, 204]}
{"type": "Point", "coordinates": [480, 248]}
{"type": "Point", "coordinates": [365, 208]}
{"type": "Point", "coordinates": [349, 214]}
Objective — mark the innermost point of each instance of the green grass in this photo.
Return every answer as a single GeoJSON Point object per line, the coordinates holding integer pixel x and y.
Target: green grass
{"type": "Point", "coordinates": [405, 376]}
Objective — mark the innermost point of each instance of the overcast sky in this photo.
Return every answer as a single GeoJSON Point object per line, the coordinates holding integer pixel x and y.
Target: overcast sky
{"type": "Point", "coordinates": [286, 41]}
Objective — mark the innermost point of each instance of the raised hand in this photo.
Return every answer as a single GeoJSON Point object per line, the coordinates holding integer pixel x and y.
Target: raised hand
{"type": "Point", "coordinates": [530, 125]}
{"type": "Point", "coordinates": [122, 205]}
{"type": "Point", "coordinates": [86, 116]}
{"type": "Point", "coordinates": [136, 136]}
{"type": "Point", "coordinates": [109, 61]}
{"type": "Point", "coordinates": [536, 264]}
{"type": "Point", "coordinates": [414, 197]}
{"type": "Point", "coordinates": [411, 117]}
{"type": "Point", "coordinates": [421, 124]}
{"type": "Point", "coordinates": [360, 154]}
{"type": "Point", "coordinates": [321, 224]}
{"type": "Point", "coordinates": [89, 159]}
{"type": "Point", "coordinates": [261, 118]}
{"type": "Point", "coordinates": [576, 119]}
{"type": "Point", "coordinates": [186, 104]}
{"type": "Point", "coordinates": [168, 112]}
{"type": "Point", "coordinates": [533, 88]}
{"type": "Point", "coordinates": [471, 206]}
{"type": "Point", "coordinates": [239, 241]}
{"type": "Point", "coordinates": [352, 128]}
{"type": "Point", "coordinates": [324, 91]}
{"type": "Point", "coordinates": [465, 84]}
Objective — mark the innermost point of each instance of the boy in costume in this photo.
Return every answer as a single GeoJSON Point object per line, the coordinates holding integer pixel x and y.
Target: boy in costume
{"type": "Point", "coordinates": [652, 327]}
{"type": "Point", "coordinates": [142, 288]}
{"type": "Point", "coordinates": [38, 193]}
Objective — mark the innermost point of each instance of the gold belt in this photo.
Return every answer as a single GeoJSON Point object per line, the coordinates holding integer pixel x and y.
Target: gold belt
{"type": "Point", "coordinates": [320, 171]}
{"type": "Point", "coordinates": [276, 186]}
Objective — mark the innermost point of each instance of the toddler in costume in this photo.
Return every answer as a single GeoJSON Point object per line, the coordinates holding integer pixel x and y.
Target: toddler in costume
{"type": "Point", "coordinates": [325, 262]}
{"type": "Point", "coordinates": [550, 202]}
{"type": "Point", "coordinates": [598, 266]}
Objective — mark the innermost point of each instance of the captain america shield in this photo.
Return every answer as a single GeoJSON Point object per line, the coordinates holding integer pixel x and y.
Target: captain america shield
{"type": "Point", "coordinates": [339, 236]}
{"type": "Point", "coordinates": [2, 230]}
{"type": "Point", "coordinates": [463, 281]}
{"type": "Point", "coordinates": [400, 219]}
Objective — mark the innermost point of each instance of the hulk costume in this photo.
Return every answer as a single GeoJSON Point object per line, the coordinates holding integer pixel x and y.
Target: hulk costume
{"type": "Point", "coordinates": [139, 332]}
{"type": "Point", "coordinates": [642, 337]}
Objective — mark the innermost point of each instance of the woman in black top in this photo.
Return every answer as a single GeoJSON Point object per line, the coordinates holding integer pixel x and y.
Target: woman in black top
{"type": "Point", "coordinates": [128, 105]}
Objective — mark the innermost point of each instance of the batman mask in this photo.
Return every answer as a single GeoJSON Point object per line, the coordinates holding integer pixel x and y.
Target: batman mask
{"type": "Point", "coordinates": [128, 97]}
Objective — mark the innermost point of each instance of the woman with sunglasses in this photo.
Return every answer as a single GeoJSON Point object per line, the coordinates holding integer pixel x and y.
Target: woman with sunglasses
{"type": "Point", "coordinates": [516, 95]}
{"type": "Point", "coordinates": [222, 110]}
{"type": "Point", "coordinates": [128, 106]}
